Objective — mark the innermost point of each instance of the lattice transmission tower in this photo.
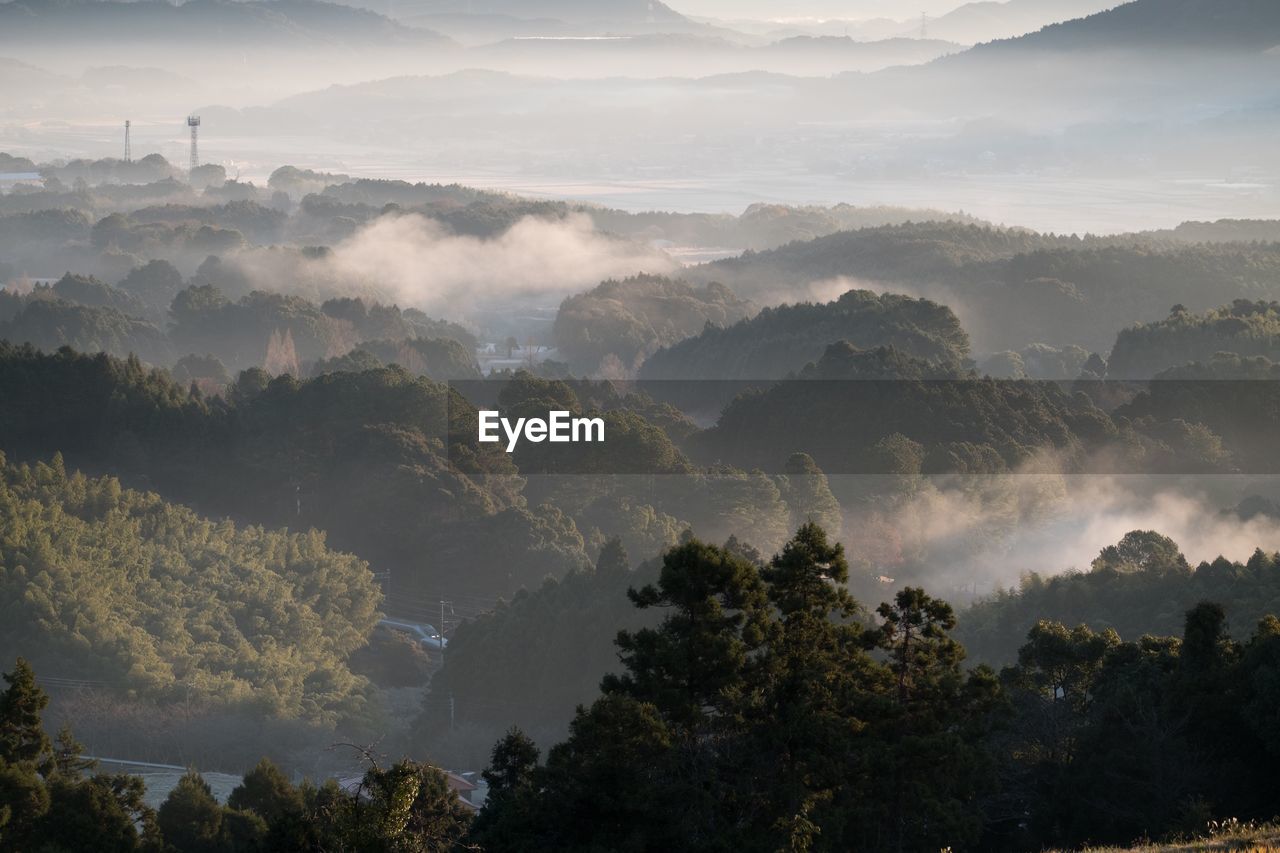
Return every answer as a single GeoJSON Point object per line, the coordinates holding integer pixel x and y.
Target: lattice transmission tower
{"type": "Point", "coordinates": [193, 122]}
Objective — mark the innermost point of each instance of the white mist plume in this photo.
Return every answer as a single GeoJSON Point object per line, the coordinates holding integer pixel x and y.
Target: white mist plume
{"type": "Point", "coordinates": [989, 531]}
{"type": "Point", "coordinates": [415, 262]}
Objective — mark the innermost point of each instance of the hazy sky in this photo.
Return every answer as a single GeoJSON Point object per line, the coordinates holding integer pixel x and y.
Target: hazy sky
{"type": "Point", "coordinates": [849, 9]}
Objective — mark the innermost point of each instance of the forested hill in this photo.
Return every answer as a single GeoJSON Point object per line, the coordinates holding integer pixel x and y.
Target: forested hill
{"type": "Point", "coordinates": [120, 588]}
{"type": "Point", "coordinates": [778, 341]}
{"type": "Point", "coordinates": [359, 455]}
{"type": "Point", "coordinates": [1247, 25]}
{"type": "Point", "coordinates": [1016, 288]}
{"type": "Point", "coordinates": [620, 322]}
{"type": "Point", "coordinates": [1142, 585]}
{"type": "Point", "coordinates": [1243, 328]}
{"type": "Point", "coordinates": [281, 23]}
{"type": "Point", "coordinates": [911, 251]}
{"type": "Point", "coordinates": [927, 418]}
{"type": "Point", "coordinates": [985, 19]}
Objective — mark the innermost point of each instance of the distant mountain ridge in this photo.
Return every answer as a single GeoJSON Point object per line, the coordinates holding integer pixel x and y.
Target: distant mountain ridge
{"type": "Point", "coordinates": [632, 11]}
{"type": "Point", "coordinates": [286, 22]}
{"type": "Point", "coordinates": [986, 20]}
{"type": "Point", "coordinates": [1231, 24]}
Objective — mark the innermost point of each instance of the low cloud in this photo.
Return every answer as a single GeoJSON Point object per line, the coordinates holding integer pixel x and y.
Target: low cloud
{"type": "Point", "coordinates": [415, 262]}
{"type": "Point", "coordinates": [987, 532]}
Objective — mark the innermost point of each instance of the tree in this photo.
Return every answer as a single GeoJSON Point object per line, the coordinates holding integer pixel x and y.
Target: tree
{"type": "Point", "coordinates": [157, 282]}
{"type": "Point", "coordinates": [752, 718]}
{"type": "Point", "coordinates": [22, 735]}
{"type": "Point", "coordinates": [102, 813]}
{"type": "Point", "coordinates": [510, 816]}
{"type": "Point", "coordinates": [613, 561]}
{"type": "Point", "coordinates": [808, 495]}
{"type": "Point", "coordinates": [914, 634]}
{"type": "Point", "coordinates": [266, 792]}
{"type": "Point", "coordinates": [810, 682]}
{"type": "Point", "coordinates": [1058, 666]}
{"type": "Point", "coordinates": [191, 820]}
{"type": "Point", "coordinates": [511, 768]}
{"type": "Point", "coordinates": [1142, 551]}
{"type": "Point", "coordinates": [68, 755]}
{"type": "Point", "coordinates": [407, 808]}
{"type": "Point", "coordinates": [24, 800]}
{"type": "Point", "coordinates": [931, 715]}
{"type": "Point", "coordinates": [692, 665]}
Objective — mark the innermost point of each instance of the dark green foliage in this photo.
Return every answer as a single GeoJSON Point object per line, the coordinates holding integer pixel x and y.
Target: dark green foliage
{"type": "Point", "coordinates": [285, 333]}
{"type": "Point", "coordinates": [1021, 288]}
{"type": "Point", "coordinates": [548, 645]}
{"type": "Point", "coordinates": [117, 585]}
{"type": "Point", "coordinates": [156, 283]}
{"type": "Point", "coordinates": [192, 820]}
{"type": "Point", "coordinates": [356, 361]}
{"type": "Point", "coordinates": [100, 813]}
{"type": "Point", "coordinates": [628, 320]}
{"type": "Point", "coordinates": [1041, 361]}
{"type": "Point", "coordinates": [1233, 397]}
{"type": "Point", "coordinates": [53, 323]}
{"type": "Point", "coordinates": [1142, 551]}
{"type": "Point", "coordinates": [46, 802]}
{"type": "Point", "coordinates": [907, 252]}
{"type": "Point", "coordinates": [442, 359]}
{"type": "Point", "coordinates": [362, 456]}
{"type": "Point", "coordinates": [960, 424]}
{"type": "Point", "coordinates": [751, 718]}
{"type": "Point", "coordinates": [392, 659]}
{"type": "Point", "coordinates": [805, 489]}
{"type": "Point", "coordinates": [1243, 328]}
{"type": "Point", "coordinates": [778, 341]}
{"type": "Point", "coordinates": [407, 807]}
{"type": "Point", "coordinates": [1148, 737]}
{"type": "Point", "coordinates": [202, 370]}
{"type": "Point", "coordinates": [613, 561]}
{"type": "Point", "coordinates": [1142, 585]}
{"type": "Point", "coordinates": [22, 736]}
{"type": "Point", "coordinates": [88, 291]}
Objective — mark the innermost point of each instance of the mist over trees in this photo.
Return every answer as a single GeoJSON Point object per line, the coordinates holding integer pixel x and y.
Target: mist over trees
{"type": "Point", "coordinates": [936, 505]}
{"type": "Point", "coordinates": [618, 324]}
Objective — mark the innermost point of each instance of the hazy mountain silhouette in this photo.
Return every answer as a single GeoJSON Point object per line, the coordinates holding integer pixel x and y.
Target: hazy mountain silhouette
{"type": "Point", "coordinates": [987, 20]}
{"type": "Point", "coordinates": [632, 11]}
{"type": "Point", "coordinates": [287, 23]}
{"type": "Point", "coordinates": [1238, 25]}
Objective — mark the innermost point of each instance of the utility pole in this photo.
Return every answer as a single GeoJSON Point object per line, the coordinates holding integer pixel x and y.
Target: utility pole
{"type": "Point", "coordinates": [128, 152]}
{"type": "Point", "coordinates": [442, 642]}
{"type": "Point", "coordinates": [441, 630]}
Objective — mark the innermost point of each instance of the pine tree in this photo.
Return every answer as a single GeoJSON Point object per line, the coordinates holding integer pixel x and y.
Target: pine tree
{"type": "Point", "coordinates": [22, 735]}
{"type": "Point", "coordinates": [693, 665]}
{"type": "Point", "coordinates": [613, 561]}
{"type": "Point", "coordinates": [190, 818]}
{"type": "Point", "coordinates": [266, 792]}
